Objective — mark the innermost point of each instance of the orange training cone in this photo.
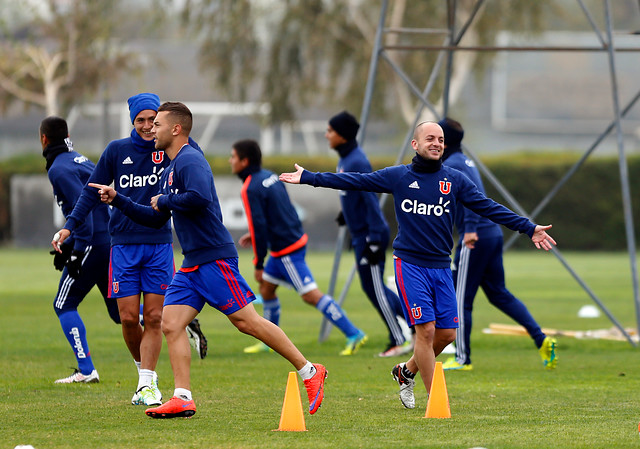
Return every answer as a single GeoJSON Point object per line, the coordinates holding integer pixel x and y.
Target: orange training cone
{"type": "Point", "coordinates": [438, 405]}
{"type": "Point", "coordinates": [292, 419]}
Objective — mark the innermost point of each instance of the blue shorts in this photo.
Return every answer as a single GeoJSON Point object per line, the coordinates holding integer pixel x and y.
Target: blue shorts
{"type": "Point", "coordinates": [426, 294]}
{"type": "Point", "coordinates": [140, 268]}
{"type": "Point", "coordinates": [218, 283]}
{"type": "Point", "coordinates": [290, 271]}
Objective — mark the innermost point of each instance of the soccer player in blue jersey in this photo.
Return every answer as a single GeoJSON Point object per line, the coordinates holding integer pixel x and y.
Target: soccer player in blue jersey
{"type": "Point", "coordinates": [426, 195]}
{"type": "Point", "coordinates": [84, 258]}
{"type": "Point", "coordinates": [274, 225]}
{"type": "Point", "coordinates": [369, 230]}
{"type": "Point", "coordinates": [478, 263]}
{"type": "Point", "coordinates": [209, 273]}
{"type": "Point", "coordinates": [141, 257]}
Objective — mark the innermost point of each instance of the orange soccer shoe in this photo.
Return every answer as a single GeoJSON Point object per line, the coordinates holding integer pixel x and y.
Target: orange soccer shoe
{"type": "Point", "coordinates": [315, 388]}
{"type": "Point", "coordinates": [173, 408]}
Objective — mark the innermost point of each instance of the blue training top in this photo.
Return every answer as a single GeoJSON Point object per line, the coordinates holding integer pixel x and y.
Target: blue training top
{"type": "Point", "coordinates": [273, 221]}
{"type": "Point", "coordinates": [424, 205]}
{"type": "Point", "coordinates": [135, 167]}
{"type": "Point", "coordinates": [467, 220]}
{"type": "Point", "coordinates": [68, 174]}
{"type": "Point", "coordinates": [189, 195]}
{"type": "Point", "coordinates": [361, 210]}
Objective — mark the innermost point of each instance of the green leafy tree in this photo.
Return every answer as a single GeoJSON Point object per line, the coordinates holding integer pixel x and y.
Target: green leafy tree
{"type": "Point", "coordinates": [302, 53]}
{"type": "Point", "coordinates": [61, 54]}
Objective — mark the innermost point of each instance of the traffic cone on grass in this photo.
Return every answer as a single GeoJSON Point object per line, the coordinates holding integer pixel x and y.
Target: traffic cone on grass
{"type": "Point", "coordinates": [292, 418]}
{"type": "Point", "coordinates": [438, 404]}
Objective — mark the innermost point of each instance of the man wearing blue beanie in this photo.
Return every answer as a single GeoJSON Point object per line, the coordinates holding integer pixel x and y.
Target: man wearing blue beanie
{"type": "Point", "coordinates": [369, 231]}
{"type": "Point", "coordinates": [141, 257]}
{"type": "Point", "coordinates": [478, 263]}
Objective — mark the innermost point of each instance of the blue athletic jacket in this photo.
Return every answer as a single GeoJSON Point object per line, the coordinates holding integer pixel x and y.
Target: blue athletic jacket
{"type": "Point", "coordinates": [135, 167]}
{"type": "Point", "coordinates": [189, 195]}
{"type": "Point", "coordinates": [361, 210]}
{"type": "Point", "coordinates": [68, 174]}
{"type": "Point", "coordinates": [272, 219]}
{"type": "Point", "coordinates": [467, 220]}
{"type": "Point", "coordinates": [425, 205]}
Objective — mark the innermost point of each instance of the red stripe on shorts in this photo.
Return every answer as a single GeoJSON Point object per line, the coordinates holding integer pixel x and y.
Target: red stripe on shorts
{"type": "Point", "coordinates": [232, 282]}
{"type": "Point", "coordinates": [403, 293]}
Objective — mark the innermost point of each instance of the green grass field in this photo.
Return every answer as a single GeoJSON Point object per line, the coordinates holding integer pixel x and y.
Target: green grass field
{"type": "Point", "coordinates": [592, 400]}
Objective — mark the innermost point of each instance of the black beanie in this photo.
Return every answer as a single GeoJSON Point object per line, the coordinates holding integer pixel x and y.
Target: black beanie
{"type": "Point", "coordinates": [345, 124]}
{"type": "Point", "coordinates": [452, 136]}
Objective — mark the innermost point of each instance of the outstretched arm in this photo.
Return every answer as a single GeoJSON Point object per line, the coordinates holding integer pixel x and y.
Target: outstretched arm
{"type": "Point", "coordinates": [541, 239]}
{"type": "Point", "coordinates": [294, 177]}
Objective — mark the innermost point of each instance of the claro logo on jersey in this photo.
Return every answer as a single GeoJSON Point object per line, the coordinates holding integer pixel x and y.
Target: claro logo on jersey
{"type": "Point", "coordinates": [418, 208]}
{"type": "Point", "coordinates": [131, 180]}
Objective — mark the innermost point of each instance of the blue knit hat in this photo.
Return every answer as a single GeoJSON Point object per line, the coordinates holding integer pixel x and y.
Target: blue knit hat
{"type": "Point", "coordinates": [345, 124]}
{"type": "Point", "coordinates": [453, 132]}
{"type": "Point", "coordinates": [142, 102]}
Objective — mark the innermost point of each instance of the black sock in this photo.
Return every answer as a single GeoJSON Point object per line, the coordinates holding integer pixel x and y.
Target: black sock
{"type": "Point", "coordinates": [406, 373]}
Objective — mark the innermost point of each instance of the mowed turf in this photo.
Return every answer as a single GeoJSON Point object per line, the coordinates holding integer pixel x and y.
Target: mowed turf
{"type": "Point", "coordinates": [592, 400]}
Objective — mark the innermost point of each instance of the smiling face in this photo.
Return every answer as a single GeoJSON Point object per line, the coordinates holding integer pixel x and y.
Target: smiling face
{"type": "Point", "coordinates": [428, 140]}
{"type": "Point", "coordinates": [144, 122]}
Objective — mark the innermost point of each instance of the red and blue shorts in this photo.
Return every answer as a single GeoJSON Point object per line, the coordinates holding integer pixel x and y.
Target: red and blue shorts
{"type": "Point", "coordinates": [134, 269]}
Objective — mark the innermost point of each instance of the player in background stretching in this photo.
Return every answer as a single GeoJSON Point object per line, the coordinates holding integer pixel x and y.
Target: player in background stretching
{"type": "Point", "coordinates": [478, 263]}
{"type": "Point", "coordinates": [274, 225]}
{"type": "Point", "coordinates": [141, 257]}
{"type": "Point", "coordinates": [84, 258]}
{"type": "Point", "coordinates": [369, 230]}
{"type": "Point", "coordinates": [209, 273]}
{"type": "Point", "coordinates": [426, 195]}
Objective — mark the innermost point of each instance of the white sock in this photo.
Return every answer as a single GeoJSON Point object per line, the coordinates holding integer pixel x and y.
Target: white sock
{"type": "Point", "coordinates": [145, 379]}
{"type": "Point", "coordinates": [183, 393]}
{"type": "Point", "coordinates": [307, 371]}
{"type": "Point", "coordinates": [138, 364]}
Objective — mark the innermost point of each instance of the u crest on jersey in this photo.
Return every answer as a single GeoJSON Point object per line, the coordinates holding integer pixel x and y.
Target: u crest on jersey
{"type": "Point", "coordinates": [157, 157]}
{"type": "Point", "coordinates": [171, 178]}
{"type": "Point", "coordinates": [445, 187]}
{"type": "Point", "coordinates": [116, 287]}
{"type": "Point", "coordinates": [416, 312]}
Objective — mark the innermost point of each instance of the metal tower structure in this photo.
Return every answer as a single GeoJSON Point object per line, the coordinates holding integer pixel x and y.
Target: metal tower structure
{"type": "Point", "coordinates": [453, 37]}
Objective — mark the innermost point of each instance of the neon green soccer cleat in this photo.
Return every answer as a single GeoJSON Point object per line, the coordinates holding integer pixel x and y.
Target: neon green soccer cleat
{"type": "Point", "coordinates": [452, 364]}
{"type": "Point", "coordinates": [257, 348]}
{"type": "Point", "coordinates": [548, 352]}
{"type": "Point", "coordinates": [354, 343]}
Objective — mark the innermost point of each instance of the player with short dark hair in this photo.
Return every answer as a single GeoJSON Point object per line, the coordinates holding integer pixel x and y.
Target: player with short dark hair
{"type": "Point", "coordinates": [274, 225]}
{"type": "Point", "coordinates": [84, 258]}
{"type": "Point", "coordinates": [425, 197]}
{"type": "Point", "coordinates": [209, 273]}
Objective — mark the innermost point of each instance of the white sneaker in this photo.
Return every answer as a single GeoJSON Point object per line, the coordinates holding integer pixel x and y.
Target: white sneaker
{"type": "Point", "coordinates": [148, 394]}
{"type": "Point", "coordinates": [394, 351]}
{"type": "Point", "coordinates": [406, 386]}
{"type": "Point", "coordinates": [78, 377]}
{"type": "Point", "coordinates": [197, 340]}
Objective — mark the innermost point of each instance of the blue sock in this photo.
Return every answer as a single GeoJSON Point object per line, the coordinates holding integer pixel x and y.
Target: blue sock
{"type": "Point", "coordinates": [271, 310]}
{"type": "Point", "coordinates": [141, 315]}
{"type": "Point", "coordinates": [336, 315]}
{"type": "Point", "coordinates": [76, 334]}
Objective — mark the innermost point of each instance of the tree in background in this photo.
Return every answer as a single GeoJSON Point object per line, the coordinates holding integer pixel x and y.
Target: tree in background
{"type": "Point", "coordinates": [61, 53]}
{"type": "Point", "coordinates": [297, 54]}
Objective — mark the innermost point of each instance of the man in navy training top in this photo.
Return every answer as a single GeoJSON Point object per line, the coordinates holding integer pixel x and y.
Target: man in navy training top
{"type": "Point", "coordinates": [478, 263]}
{"type": "Point", "coordinates": [209, 273]}
{"type": "Point", "coordinates": [274, 225]}
{"type": "Point", "coordinates": [141, 257]}
{"type": "Point", "coordinates": [369, 230]}
{"type": "Point", "coordinates": [426, 195]}
{"type": "Point", "coordinates": [84, 258]}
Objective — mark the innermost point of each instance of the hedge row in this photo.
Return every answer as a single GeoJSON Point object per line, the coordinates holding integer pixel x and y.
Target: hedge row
{"type": "Point", "coordinates": [587, 212]}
